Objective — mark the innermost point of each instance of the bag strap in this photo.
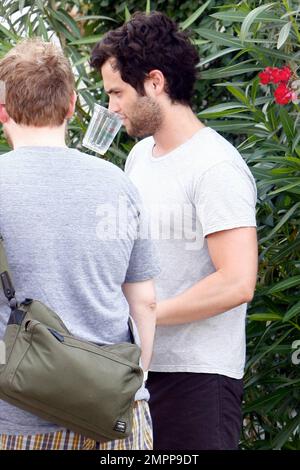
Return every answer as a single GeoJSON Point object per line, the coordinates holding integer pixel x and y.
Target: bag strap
{"type": "Point", "coordinates": [6, 281]}
{"type": "Point", "coordinates": [9, 290]}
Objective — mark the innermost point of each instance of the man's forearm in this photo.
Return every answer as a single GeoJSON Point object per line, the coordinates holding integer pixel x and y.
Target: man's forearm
{"type": "Point", "coordinates": [142, 305]}
{"type": "Point", "coordinates": [145, 319]}
{"type": "Point", "coordinates": [212, 295]}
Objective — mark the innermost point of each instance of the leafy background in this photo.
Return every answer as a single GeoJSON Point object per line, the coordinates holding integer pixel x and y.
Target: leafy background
{"type": "Point", "coordinates": [236, 40]}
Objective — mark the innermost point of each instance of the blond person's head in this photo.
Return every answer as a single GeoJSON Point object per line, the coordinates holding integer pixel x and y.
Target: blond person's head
{"type": "Point", "coordinates": [39, 83]}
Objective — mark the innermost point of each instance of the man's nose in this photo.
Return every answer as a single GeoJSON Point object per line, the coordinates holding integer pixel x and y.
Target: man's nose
{"type": "Point", "coordinates": [113, 106]}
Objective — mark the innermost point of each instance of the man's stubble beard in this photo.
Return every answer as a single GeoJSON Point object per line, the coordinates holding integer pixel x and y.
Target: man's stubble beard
{"type": "Point", "coordinates": [146, 117]}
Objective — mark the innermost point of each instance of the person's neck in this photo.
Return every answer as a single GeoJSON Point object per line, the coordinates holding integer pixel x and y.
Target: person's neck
{"type": "Point", "coordinates": [27, 136]}
{"type": "Point", "coordinates": [179, 125]}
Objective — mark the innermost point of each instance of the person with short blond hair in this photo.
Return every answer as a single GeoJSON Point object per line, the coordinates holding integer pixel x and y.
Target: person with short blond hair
{"type": "Point", "coordinates": [37, 72]}
{"type": "Point", "coordinates": [52, 203]}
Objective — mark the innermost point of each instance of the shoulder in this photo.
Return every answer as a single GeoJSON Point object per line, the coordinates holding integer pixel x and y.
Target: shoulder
{"type": "Point", "coordinates": [100, 167]}
{"type": "Point", "coordinates": [214, 153]}
{"type": "Point", "coordinates": [6, 157]}
{"type": "Point", "coordinates": [216, 163]}
{"type": "Point", "coordinates": [144, 144]}
{"type": "Point", "coordinates": [114, 178]}
{"type": "Point", "coordinates": [139, 151]}
{"type": "Point", "coordinates": [213, 149]}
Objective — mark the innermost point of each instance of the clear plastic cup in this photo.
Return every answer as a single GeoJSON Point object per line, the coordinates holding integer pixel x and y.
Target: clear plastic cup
{"type": "Point", "coordinates": [102, 129]}
{"type": "Point", "coordinates": [2, 92]}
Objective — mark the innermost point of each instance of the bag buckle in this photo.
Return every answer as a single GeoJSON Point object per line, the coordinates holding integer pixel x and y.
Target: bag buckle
{"type": "Point", "coordinates": [8, 289]}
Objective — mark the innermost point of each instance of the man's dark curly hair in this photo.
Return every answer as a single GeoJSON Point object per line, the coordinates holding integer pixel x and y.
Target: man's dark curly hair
{"type": "Point", "coordinates": [147, 42]}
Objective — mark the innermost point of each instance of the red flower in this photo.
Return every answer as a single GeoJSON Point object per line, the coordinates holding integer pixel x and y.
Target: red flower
{"type": "Point", "coordinates": [265, 77]}
{"type": "Point", "coordinates": [285, 74]}
{"type": "Point", "coordinates": [275, 75]}
{"type": "Point", "coordinates": [287, 90]}
{"type": "Point", "coordinates": [283, 95]}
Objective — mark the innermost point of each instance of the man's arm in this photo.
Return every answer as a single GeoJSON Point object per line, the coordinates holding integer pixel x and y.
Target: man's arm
{"type": "Point", "coordinates": [142, 303]}
{"type": "Point", "coordinates": [234, 255]}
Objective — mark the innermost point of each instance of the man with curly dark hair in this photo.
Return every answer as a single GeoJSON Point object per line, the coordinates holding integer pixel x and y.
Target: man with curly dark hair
{"type": "Point", "coordinates": [201, 199]}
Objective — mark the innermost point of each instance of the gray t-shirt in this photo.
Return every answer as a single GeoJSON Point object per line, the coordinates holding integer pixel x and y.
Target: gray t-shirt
{"type": "Point", "coordinates": [201, 187]}
{"type": "Point", "coordinates": [58, 209]}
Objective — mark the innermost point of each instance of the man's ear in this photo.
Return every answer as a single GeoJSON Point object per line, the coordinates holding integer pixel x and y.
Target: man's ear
{"type": "Point", "coordinates": [155, 83]}
{"type": "Point", "coordinates": [4, 117]}
{"type": "Point", "coordinates": [72, 105]}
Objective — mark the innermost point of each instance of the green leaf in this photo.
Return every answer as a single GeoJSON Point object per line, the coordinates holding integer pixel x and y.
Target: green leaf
{"type": "Point", "coordinates": [282, 171]}
{"type": "Point", "coordinates": [273, 346]}
{"type": "Point", "coordinates": [221, 39]}
{"type": "Point", "coordinates": [292, 312]}
{"type": "Point", "coordinates": [127, 14]}
{"type": "Point", "coordinates": [8, 33]}
{"type": "Point", "coordinates": [21, 5]}
{"type": "Point", "coordinates": [287, 124]}
{"type": "Point", "coordinates": [236, 16]}
{"type": "Point", "coordinates": [250, 18]}
{"type": "Point", "coordinates": [67, 20]}
{"type": "Point", "coordinates": [221, 110]}
{"type": "Point", "coordinates": [284, 285]}
{"type": "Point", "coordinates": [216, 115]}
{"type": "Point", "coordinates": [282, 437]}
{"type": "Point", "coordinates": [40, 5]}
{"type": "Point", "coordinates": [238, 93]}
{"type": "Point", "coordinates": [264, 317]}
{"type": "Point", "coordinates": [82, 60]}
{"type": "Point", "coordinates": [94, 17]}
{"type": "Point", "coordinates": [87, 40]}
{"type": "Point", "coordinates": [283, 34]}
{"type": "Point", "coordinates": [291, 13]}
{"type": "Point", "coordinates": [148, 6]}
{"type": "Point", "coordinates": [225, 84]}
{"type": "Point", "coordinates": [249, 143]}
{"type": "Point", "coordinates": [189, 21]}
{"type": "Point", "coordinates": [296, 141]}
{"type": "Point", "coordinates": [272, 118]}
{"type": "Point", "coordinates": [267, 53]}
{"type": "Point", "coordinates": [255, 87]}
{"type": "Point", "coordinates": [218, 54]}
{"type": "Point", "coordinates": [295, 161]}
{"type": "Point", "coordinates": [286, 188]}
{"type": "Point", "coordinates": [43, 29]}
{"type": "Point", "coordinates": [284, 219]}
{"type": "Point", "coordinates": [265, 403]}
{"type": "Point", "coordinates": [61, 29]}
{"type": "Point", "coordinates": [199, 42]}
{"type": "Point", "coordinates": [233, 127]}
{"type": "Point", "coordinates": [231, 70]}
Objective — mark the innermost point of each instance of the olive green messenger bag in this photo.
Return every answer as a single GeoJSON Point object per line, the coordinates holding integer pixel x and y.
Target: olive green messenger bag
{"type": "Point", "coordinates": [82, 386]}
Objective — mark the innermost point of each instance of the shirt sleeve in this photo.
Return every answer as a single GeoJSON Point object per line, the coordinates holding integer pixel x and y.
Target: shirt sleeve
{"type": "Point", "coordinates": [225, 197]}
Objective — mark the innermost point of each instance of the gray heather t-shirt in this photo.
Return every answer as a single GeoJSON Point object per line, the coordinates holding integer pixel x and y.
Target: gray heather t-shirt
{"type": "Point", "coordinates": [58, 214]}
{"type": "Point", "coordinates": [201, 187]}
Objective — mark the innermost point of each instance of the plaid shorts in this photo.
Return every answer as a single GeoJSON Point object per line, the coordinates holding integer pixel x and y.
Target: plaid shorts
{"type": "Point", "coordinates": [140, 438]}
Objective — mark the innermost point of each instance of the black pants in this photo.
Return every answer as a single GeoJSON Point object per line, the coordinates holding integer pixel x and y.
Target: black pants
{"type": "Point", "coordinates": [195, 411]}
